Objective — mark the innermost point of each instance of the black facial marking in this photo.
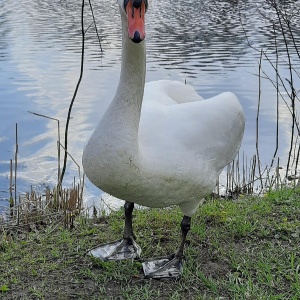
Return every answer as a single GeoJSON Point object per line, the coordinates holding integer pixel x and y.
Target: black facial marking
{"type": "Point", "coordinates": [137, 3]}
{"type": "Point", "coordinates": [125, 3]}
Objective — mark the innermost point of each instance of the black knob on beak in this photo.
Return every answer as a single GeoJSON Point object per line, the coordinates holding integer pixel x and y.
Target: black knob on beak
{"type": "Point", "coordinates": [137, 3]}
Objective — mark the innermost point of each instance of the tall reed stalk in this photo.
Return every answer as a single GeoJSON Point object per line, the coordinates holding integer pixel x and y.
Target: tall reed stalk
{"type": "Point", "coordinates": [281, 15]}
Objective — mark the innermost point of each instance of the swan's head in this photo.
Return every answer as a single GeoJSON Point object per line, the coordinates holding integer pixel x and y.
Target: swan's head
{"type": "Point", "coordinates": [135, 11]}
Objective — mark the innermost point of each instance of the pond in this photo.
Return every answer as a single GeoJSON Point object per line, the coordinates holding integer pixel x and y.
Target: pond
{"type": "Point", "coordinates": [212, 45]}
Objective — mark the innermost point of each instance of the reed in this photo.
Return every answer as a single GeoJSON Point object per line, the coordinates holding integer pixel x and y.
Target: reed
{"type": "Point", "coordinates": [277, 172]}
{"type": "Point", "coordinates": [32, 210]}
{"type": "Point", "coordinates": [59, 200]}
{"type": "Point", "coordinates": [58, 140]}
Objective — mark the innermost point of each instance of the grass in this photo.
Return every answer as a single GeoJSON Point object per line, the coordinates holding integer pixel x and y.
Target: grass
{"type": "Point", "coordinates": [237, 249]}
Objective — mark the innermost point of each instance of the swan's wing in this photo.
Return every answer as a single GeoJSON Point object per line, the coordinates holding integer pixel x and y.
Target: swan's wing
{"type": "Point", "coordinates": [169, 92]}
{"type": "Point", "coordinates": [208, 130]}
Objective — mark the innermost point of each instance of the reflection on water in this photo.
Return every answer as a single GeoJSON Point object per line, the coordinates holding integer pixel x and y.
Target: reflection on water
{"type": "Point", "coordinates": [203, 42]}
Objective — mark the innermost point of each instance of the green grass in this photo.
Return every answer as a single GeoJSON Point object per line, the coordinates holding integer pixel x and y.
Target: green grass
{"type": "Point", "coordinates": [237, 249]}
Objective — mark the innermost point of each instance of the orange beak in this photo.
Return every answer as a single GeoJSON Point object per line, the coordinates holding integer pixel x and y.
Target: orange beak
{"type": "Point", "coordinates": [136, 21]}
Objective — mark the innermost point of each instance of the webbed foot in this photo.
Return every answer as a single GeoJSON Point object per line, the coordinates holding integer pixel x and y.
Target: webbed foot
{"type": "Point", "coordinates": [165, 267]}
{"type": "Point", "coordinates": [118, 250]}
{"type": "Point", "coordinates": [169, 267]}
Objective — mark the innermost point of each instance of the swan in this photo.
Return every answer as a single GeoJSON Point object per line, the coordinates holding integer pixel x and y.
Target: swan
{"type": "Point", "coordinates": [158, 144]}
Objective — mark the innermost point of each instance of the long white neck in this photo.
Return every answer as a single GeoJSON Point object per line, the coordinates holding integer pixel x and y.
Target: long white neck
{"type": "Point", "coordinates": [122, 118]}
{"type": "Point", "coordinates": [133, 70]}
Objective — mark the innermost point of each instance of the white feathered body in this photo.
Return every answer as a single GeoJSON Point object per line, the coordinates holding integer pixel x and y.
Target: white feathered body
{"type": "Point", "coordinates": [161, 144]}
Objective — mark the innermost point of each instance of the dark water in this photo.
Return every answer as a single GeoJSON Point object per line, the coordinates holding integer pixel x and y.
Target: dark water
{"type": "Point", "coordinates": [205, 43]}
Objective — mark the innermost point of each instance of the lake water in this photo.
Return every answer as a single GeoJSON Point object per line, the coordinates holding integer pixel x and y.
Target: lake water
{"type": "Point", "coordinates": [203, 42]}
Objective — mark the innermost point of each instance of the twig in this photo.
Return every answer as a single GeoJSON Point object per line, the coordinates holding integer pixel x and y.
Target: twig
{"type": "Point", "coordinates": [257, 115]}
{"type": "Point", "coordinates": [292, 96]}
{"type": "Point", "coordinates": [78, 166]}
{"type": "Point", "coordinates": [16, 162]}
{"type": "Point", "coordinates": [95, 25]}
{"type": "Point", "coordinates": [277, 100]}
{"type": "Point", "coordinates": [58, 139]}
{"type": "Point", "coordinates": [73, 99]}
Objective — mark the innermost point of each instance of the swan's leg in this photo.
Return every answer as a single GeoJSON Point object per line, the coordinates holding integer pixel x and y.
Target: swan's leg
{"type": "Point", "coordinates": [125, 248]}
{"type": "Point", "coordinates": [169, 267]}
{"type": "Point", "coordinates": [185, 228]}
{"type": "Point", "coordinates": [128, 231]}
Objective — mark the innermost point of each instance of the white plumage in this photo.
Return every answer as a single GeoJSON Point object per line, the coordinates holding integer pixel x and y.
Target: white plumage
{"type": "Point", "coordinates": [174, 153]}
{"type": "Point", "coordinates": [160, 144]}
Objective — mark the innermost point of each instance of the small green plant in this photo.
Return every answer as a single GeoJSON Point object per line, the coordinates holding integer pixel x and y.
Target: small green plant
{"type": "Point", "coordinates": [4, 288]}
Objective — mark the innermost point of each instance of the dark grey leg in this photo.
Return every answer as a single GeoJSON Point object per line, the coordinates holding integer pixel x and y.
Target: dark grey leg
{"type": "Point", "coordinates": [125, 248]}
{"type": "Point", "coordinates": [171, 266]}
{"type": "Point", "coordinates": [128, 232]}
{"type": "Point", "coordinates": [185, 228]}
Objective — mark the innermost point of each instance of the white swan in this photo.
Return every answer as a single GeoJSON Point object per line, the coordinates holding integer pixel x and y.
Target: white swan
{"type": "Point", "coordinates": [158, 144]}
